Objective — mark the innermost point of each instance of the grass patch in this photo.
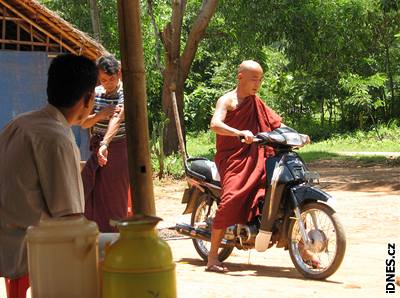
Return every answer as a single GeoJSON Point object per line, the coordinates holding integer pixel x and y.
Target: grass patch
{"type": "Point", "coordinates": [359, 141]}
{"type": "Point", "coordinates": [387, 139]}
{"type": "Point", "coordinates": [308, 156]}
{"type": "Point", "coordinates": [197, 145]}
{"type": "Point", "coordinates": [203, 145]}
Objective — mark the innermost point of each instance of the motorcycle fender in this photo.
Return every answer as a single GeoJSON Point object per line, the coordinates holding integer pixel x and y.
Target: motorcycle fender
{"type": "Point", "coordinates": [189, 198]}
{"type": "Point", "coordinates": [307, 192]}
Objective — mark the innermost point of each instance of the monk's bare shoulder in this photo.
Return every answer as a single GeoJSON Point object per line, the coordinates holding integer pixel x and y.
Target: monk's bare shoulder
{"type": "Point", "coordinates": [228, 100]}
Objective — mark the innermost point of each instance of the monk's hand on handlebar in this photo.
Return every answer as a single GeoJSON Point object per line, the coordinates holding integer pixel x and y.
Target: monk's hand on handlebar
{"type": "Point", "coordinates": [246, 136]}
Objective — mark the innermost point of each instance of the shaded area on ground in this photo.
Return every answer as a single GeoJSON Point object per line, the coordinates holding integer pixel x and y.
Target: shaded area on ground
{"type": "Point", "coordinates": [355, 175]}
{"type": "Point", "coordinates": [388, 158]}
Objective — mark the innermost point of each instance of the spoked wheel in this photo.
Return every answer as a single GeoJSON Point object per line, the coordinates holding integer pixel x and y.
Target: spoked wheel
{"type": "Point", "coordinates": [200, 220]}
{"type": "Point", "coordinates": [328, 242]}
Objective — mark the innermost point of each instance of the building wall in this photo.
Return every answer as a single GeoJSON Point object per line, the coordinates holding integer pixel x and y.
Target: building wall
{"type": "Point", "coordinates": [23, 79]}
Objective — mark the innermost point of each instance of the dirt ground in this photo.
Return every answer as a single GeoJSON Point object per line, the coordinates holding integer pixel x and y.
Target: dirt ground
{"type": "Point", "coordinates": [368, 198]}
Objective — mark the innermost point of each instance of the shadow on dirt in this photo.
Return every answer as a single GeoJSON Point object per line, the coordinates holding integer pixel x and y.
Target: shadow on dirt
{"type": "Point", "coordinates": [351, 175]}
{"type": "Point", "coordinates": [241, 270]}
{"type": "Point", "coordinates": [360, 158]}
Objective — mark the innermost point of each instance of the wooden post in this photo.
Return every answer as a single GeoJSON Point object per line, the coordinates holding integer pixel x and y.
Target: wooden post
{"type": "Point", "coordinates": [133, 76]}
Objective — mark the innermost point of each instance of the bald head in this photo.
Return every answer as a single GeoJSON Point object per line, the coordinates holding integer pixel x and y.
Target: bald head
{"type": "Point", "coordinates": [249, 65]}
{"type": "Point", "coordinates": [249, 77]}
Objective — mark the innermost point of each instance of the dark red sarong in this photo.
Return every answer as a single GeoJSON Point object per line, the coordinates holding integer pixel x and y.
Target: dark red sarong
{"type": "Point", "coordinates": [242, 166]}
{"type": "Point", "coordinates": [106, 188]}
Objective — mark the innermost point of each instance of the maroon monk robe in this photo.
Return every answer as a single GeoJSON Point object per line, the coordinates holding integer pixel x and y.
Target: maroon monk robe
{"type": "Point", "coordinates": [242, 166]}
{"type": "Point", "coordinates": [106, 188]}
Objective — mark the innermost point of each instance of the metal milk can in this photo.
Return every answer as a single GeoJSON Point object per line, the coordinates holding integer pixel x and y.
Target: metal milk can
{"type": "Point", "coordinates": [138, 264]}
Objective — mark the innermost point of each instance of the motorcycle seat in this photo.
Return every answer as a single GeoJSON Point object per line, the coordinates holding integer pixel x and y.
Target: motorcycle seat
{"type": "Point", "coordinates": [207, 169]}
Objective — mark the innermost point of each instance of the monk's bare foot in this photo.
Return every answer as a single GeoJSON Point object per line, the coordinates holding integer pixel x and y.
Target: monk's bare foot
{"type": "Point", "coordinates": [214, 265]}
{"type": "Point", "coordinates": [217, 268]}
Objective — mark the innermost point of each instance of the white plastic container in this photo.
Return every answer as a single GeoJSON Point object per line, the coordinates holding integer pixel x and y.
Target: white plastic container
{"type": "Point", "coordinates": [63, 258]}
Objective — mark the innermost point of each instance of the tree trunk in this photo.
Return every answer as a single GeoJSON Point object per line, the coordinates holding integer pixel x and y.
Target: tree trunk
{"type": "Point", "coordinates": [95, 18]}
{"type": "Point", "coordinates": [330, 111]}
{"type": "Point", "coordinates": [391, 84]}
{"type": "Point", "coordinates": [385, 102]}
{"type": "Point", "coordinates": [322, 113]}
{"type": "Point", "coordinates": [171, 142]}
{"type": "Point", "coordinates": [342, 113]}
{"type": "Point", "coordinates": [178, 65]}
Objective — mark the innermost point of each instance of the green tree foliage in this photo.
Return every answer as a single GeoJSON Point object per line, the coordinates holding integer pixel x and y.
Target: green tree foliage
{"type": "Point", "coordinates": [329, 66]}
{"type": "Point", "coordinates": [307, 48]}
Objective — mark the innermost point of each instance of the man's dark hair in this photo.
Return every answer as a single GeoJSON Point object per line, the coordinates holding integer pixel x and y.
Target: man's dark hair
{"type": "Point", "coordinates": [70, 78]}
{"type": "Point", "coordinates": [108, 64]}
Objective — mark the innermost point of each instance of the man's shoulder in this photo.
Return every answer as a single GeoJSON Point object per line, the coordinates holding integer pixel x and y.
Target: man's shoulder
{"type": "Point", "coordinates": [227, 97]}
{"type": "Point", "coordinates": [27, 116]}
{"type": "Point", "coordinates": [24, 120]}
{"type": "Point", "coordinates": [230, 94]}
{"type": "Point", "coordinates": [39, 126]}
{"type": "Point", "coordinates": [37, 130]}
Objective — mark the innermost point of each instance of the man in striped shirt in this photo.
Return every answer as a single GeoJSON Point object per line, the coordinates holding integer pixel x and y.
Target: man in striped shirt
{"type": "Point", "coordinates": [105, 175]}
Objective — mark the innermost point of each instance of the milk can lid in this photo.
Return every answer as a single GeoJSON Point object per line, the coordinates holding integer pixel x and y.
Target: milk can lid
{"type": "Point", "coordinates": [136, 219]}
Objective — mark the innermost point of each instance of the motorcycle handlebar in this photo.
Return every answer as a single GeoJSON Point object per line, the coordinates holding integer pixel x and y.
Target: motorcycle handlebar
{"type": "Point", "coordinates": [305, 139]}
{"type": "Point", "coordinates": [255, 139]}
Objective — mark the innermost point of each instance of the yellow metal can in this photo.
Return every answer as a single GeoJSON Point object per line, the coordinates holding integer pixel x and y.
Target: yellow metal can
{"type": "Point", "coordinates": [139, 264]}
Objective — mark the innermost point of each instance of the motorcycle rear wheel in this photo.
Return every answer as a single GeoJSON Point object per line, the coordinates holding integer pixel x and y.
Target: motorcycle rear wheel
{"type": "Point", "coordinates": [328, 242]}
{"type": "Point", "coordinates": [199, 218]}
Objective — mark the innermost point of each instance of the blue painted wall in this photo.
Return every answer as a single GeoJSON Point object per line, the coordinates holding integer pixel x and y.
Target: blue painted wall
{"type": "Point", "coordinates": [23, 79]}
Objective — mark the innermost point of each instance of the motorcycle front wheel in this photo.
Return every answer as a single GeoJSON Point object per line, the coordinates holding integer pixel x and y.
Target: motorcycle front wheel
{"type": "Point", "coordinates": [200, 220]}
{"type": "Point", "coordinates": [326, 250]}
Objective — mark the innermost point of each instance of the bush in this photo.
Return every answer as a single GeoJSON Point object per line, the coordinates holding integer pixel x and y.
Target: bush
{"type": "Point", "coordinates": [199, 108]}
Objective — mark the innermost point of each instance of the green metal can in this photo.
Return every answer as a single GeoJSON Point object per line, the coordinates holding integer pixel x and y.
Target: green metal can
{"type": "Point", "coordinates": [139, 264]}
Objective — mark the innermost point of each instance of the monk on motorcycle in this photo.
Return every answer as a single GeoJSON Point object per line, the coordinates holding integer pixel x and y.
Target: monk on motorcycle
{"type": "Point", "coordinates": [240, 113]}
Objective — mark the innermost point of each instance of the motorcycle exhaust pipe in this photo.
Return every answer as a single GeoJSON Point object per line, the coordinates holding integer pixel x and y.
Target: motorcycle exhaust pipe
{"type": "Point", "coordinates": [200, 234]}
{"type": "Point", "coordinates": [190, 231]}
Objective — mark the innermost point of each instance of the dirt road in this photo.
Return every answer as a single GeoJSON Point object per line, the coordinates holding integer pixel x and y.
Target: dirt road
{"type": "Point", "coordinates": [368, 203]}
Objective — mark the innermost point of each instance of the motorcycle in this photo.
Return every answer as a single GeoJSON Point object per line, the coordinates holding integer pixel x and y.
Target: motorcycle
{"type": "Point", "coordinates": [298, 213]}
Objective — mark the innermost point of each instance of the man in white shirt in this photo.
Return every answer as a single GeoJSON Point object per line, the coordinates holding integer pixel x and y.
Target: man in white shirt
{"type": "Point", "coordinates": [40, 173]}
